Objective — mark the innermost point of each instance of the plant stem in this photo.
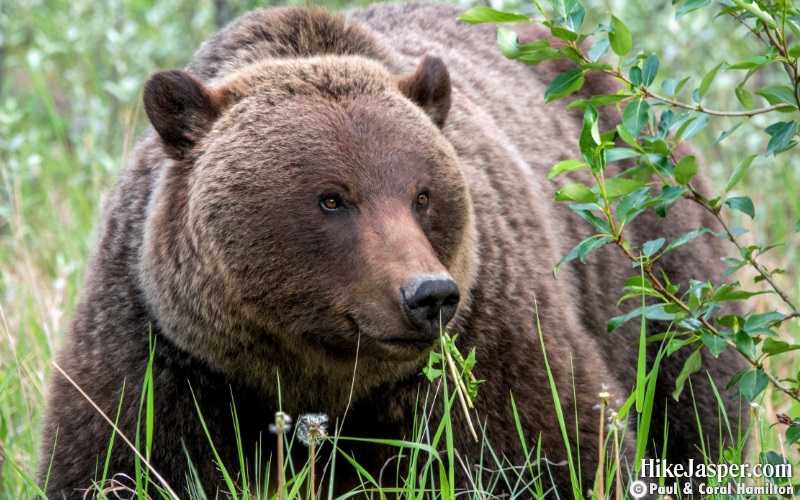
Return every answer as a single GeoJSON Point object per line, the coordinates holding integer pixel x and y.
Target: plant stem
{"type": "Point", "coordinates": [280, 464]}
{"type": "Point", "coordinates": [617, 462]}
{"type": "Point", "coordinates": [601, 459]}
{"type": "Point", "coordinates": [460, 389]}
{"type": "Point", "coordinates": [646, 93]}
{"type": "Point", "coordinates": [313, 475]}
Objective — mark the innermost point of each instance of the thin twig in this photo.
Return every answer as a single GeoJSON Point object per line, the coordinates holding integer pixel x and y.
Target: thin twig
{"type": "Point", "coordinates": [763, 272]}
{"type": "Point", "coordinates": [647, 93]}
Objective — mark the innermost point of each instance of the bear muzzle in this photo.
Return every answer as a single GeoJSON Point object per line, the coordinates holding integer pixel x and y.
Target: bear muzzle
{"type": "Point", "coordinates": [429, 301]}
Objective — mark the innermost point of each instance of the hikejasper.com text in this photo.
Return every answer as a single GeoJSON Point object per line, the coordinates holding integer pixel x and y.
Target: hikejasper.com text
{"type": "Point", "coordinates": [657, 468]}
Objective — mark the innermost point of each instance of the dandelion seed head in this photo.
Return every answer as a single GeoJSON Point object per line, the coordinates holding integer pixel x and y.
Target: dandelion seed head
{"type": "Point", "coordinates": [282, 425]}
{"type": "Point", "coordinates": [312, 428]}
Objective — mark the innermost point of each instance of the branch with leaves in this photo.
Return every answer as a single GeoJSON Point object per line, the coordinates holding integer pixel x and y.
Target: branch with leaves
{"type": "Point", "coordinates": [650, 139]}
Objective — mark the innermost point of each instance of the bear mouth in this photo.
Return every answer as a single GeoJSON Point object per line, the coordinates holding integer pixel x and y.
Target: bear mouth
{"type": "Point", "coordinates": [415, 344]}
{"type": "Point", "coordinates": [403, 345]}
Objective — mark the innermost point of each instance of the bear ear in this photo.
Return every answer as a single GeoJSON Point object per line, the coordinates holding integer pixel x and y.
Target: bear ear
{"type": "Point", "coordinates": [429, 87]}
{"type": "Point", "coordinates": [181, 109]}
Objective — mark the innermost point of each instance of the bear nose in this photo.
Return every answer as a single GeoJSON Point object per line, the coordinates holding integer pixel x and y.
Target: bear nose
{"type": "Point", "coordinates": [427, 298]}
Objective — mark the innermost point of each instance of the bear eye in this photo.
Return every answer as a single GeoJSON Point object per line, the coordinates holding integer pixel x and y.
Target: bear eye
{"type": "Point", "coordinates": [330, 203]}
{"type": "Point", "coordinates": [422, 200]}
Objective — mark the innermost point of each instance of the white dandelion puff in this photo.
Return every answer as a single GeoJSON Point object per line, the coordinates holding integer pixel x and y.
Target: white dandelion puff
{"type": "Point", "coordinates": [282, 425]}
{"type": "Point", "coordinates": [312, 428]}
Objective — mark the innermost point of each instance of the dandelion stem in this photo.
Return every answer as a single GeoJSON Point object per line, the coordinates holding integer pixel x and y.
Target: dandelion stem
{"type": "Point", "coordinates": [616, 460]}
{"type": "Point", "coordinates": [280, 464]}
{"type": "Point", "coordinates": [313, 475]}
{"type": "Point", "coordinates": [601, 459]}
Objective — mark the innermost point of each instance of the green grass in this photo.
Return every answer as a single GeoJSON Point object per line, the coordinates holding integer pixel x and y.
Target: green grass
{"type": "Point", "coordinates": [70, 80]}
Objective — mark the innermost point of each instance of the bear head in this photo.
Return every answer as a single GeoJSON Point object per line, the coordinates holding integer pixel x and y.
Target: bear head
{"type": "Point", "coordinates": [306, 211]}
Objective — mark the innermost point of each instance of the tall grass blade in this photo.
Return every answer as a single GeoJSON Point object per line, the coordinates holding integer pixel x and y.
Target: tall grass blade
{"type": "Point", "coordinates": [576, 484]}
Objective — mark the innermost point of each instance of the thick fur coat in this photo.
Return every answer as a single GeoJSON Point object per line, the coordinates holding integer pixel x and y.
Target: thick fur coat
{"type": "Point", "coordinates": [302, 171]}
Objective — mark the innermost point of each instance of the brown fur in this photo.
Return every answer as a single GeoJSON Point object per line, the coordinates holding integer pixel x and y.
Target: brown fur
{"type": "Point", "coordinates": [214, 241]}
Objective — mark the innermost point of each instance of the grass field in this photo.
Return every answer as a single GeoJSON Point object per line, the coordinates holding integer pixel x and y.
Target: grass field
{"type": "Point", "coordinates": [71, 73]}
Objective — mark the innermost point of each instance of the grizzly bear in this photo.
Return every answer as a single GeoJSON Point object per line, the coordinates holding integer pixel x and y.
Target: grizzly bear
{"type": "Point", "coordinates": [317, 193]}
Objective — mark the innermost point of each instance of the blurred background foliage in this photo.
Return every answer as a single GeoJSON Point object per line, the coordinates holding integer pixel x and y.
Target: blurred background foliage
{"type": "Point", "coordinates": [71, 73]}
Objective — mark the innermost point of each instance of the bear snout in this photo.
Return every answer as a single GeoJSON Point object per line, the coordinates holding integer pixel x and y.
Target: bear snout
{"type": "Point", "coordinates": [428, 299]}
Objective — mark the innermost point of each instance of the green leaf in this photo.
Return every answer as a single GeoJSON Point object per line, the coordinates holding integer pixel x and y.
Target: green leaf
{"type": "Point", "coordinates": [632, 202]}
{"type": "Point", "coordinates": [781, 134]}
{"type": "Point", "coordinates": [707, 80]}
{"type": "Point", "coordinates": [530, 53]}
{"type": "Point", "coordinates": [563, 7]}
{"type": "Point", "coordinates": [651, 247]}
{"type": "Point", "coordinates": [582, 250]}
{"type": "Point", "coordinates": [745, 97]}
{"type": "Point", "coordinates": [743, 204]}
{"type": "Point", "coordinates": [600, 225]}
{"type": "Point", "coordinates": [564, 33]}
{"type": "Point", "coordinates": [590, 135]}
{"type": "Point", "coordinates": [635, 76]}
{"type": "Point", "coordinates": [508, 42]}
{"type": "Point", "coordinates": [794, 51]}
{"type": "Point", "coordinates": [574, 20]}
{"type": "Point", "coordinates": [778, 94]}
{"type": "Point", "coordinates": [636, 116]}
{"type": "Point", "coordinates": [669, 195]}
{"type": "Point", "coordinates": [750, 63]}
{"type": "Point", "coordinates": [686, 238]}
{"type": "Point", "coordinates": [577, 193]}
{"type": "Point", "coordinates": [692, 365]}
{"type": "Point", "coordinates": [654, 312]}
{"type": "Point", "coordinates": [752, 384]}
{"type": "Point", "coordinates": [534, 53]}
{"type": "Point", "coordinates": [617, 154]}
{"type": "Point", "coordinates": [598, 50]}
{"type": "Point", "coordinates": [797, 227]}
{"type": "Point", "coordinates": [692, 126]}
{"type": "Point", "coordinates": [676, 344]}
{"type": "Point", "coordinates": [620, 186]}
{"type": "Point", "coordinates": [739, 171]}
{"type": "Point", "coordinates": [620, 38]}
{"type": "Point", "coordinates": [673, 86]}
{"type": "Point", "coordinates": [745, 344]}
{"type": "Point", "coordinates": [685, 170]}
{"type": "Point", "coordinates": [792, 435]}
{"type": "Point", "coordinates": [726, 133]}
{"type": "Point", "coordinates": [477, 15]}
{"type": "Point", "coordinates": [716, 345]}
{"type": "Point", "coordinates": [626, 136]}
{"type": "Point", "coordinates": [565, 166]}
{"type": "Point", "coordinates": [772, 346]}
{"type": "Point", "coordinates": [728, 292]}
{"type": "Point", "coordinates": [564, 85]}
{"type": "Point", "coordinates": [756, 322]}
{"type": "Point", "coordinates": [649, 70]}
{"type": "Point", "coordinates": [689, 6]}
